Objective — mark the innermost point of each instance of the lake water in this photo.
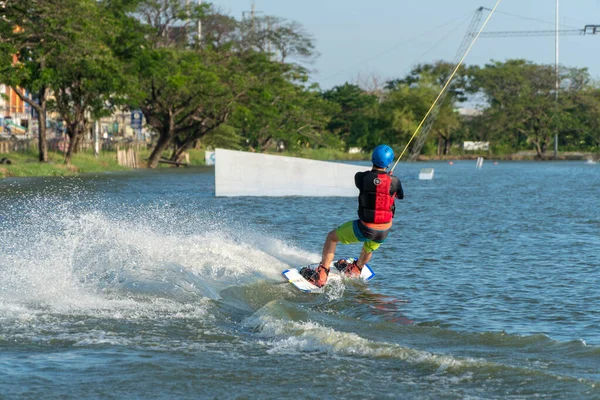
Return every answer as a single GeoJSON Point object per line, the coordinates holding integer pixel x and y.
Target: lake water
{"type": "Point", "coordinates": [145, 286]}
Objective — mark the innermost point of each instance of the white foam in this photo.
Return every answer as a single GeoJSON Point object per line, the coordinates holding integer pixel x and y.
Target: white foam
{"type": "Point", "coordinates": [135, 262]}
{"type": "Point", "coordinates": [289, 337]}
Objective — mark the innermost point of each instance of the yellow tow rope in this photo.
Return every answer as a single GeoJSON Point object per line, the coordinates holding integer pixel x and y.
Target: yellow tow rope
{"type": "Point", "coordinates": [447, 83]}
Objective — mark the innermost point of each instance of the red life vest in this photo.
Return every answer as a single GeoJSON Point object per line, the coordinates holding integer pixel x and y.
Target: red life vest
{"type": "Point", "coordinates": [375, 203]}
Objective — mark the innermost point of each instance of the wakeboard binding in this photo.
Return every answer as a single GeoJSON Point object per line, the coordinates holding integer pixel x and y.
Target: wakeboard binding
{"type": "Point", "coordinates": [348, 267]}
{"type": "Point", "coordinates": [317, 277]}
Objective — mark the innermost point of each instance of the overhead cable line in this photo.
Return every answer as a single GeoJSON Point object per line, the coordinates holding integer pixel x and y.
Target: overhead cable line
{"type": "Point", "coordinates": [430, 120]}
{"type": "Point", "coordinates": [528, 18]}
{"type": "Point", "coordinates": [447, 82]}
{"type": "Point", "coordinates": [398, 45]}
{"type": "Point", "coordinates": [587, 30]}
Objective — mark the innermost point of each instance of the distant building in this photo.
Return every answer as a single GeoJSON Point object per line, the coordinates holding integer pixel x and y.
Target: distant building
{"type": "Point", "coordinates": [14, 112]}
{"type": "Point", "coordinates": [469, 113]}
{"type": "Point", "coordinates": [473, 146]}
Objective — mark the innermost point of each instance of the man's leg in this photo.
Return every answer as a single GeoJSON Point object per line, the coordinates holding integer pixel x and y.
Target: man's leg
{"type": "Point", "coordinates": [319, 275]}
{"type": "Point", "coordinates": [367, 251]}
{"type": "Point", "coordinates": [364, 258]}
{"type": "Point", "coordinates": [329, 249]}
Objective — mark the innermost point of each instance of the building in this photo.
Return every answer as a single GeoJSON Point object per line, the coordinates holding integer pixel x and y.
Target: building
{"type": "Point", "coordinates": [15, 114]}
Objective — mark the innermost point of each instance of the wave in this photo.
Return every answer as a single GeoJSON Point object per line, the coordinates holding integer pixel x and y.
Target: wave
{"type": "Point", "coordinates": [283, 336]}
{"type": "Point", "coordinates": [155, 276]}
{"type": "Point", "coordinates": [56, 256]}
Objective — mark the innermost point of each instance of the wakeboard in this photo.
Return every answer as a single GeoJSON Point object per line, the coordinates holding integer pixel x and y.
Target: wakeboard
{"type": "Point", "coordinates": [293, 276]}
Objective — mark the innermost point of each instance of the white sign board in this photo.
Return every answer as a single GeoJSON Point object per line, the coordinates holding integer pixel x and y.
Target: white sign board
{"type": "Point", "coordinates": [476, 146]}
{"type": "Point", "coordinates": [209, 157]}
{"type": "Point", "coordinates": [249, 174]}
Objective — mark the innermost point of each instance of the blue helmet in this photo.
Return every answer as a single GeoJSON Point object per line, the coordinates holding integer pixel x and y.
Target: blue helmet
{"type": "Point", "coordinates": [383, 155]}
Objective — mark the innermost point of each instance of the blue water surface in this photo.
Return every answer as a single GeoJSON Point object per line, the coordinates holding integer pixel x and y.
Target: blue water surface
{"type": "Point", "coordinates": [145, 285]}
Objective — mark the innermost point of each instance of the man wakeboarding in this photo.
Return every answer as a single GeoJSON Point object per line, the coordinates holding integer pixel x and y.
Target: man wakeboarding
{"type": "Point", "coordinates": [378, 190]}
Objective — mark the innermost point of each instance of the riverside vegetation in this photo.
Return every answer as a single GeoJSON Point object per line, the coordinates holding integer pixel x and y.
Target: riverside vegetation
{"type": "Point", "coordinates": [26, 164]}
{"type": "Point", "coordinates": [245, 85]}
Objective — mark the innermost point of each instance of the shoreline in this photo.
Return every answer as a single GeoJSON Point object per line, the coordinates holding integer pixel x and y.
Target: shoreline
{"type": "Point", "coordinates": [520, 156]}
{"type": "Point", "coordinates": [25, 165]}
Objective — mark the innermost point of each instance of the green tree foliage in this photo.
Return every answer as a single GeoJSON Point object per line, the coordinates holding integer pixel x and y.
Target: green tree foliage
{"type": "Point", "coordinates": [366, 120]}
{"type": "Point", "coordinates": [280, 110]}
{"type": "Point", "coordinates": [245, 84]}
{"type": "Point", "coordinates": [588, 112]}
{"type": "Point", "coordinates": [421, 87]}
{"type": "Point", "coordinates": [171, 88]}
{"type": "Point", "coordinates": [88, 75]}
{"type": "Point", "coordinates": [33, 31]}
{"type": "Point", "coordinates": [521, 98]}
{"type": "Point", "coordinates": [355, 121]}
{"type": "Point", "coordinates": [225, 83]}
{"type": "Point", "coordinates": [63, 49]}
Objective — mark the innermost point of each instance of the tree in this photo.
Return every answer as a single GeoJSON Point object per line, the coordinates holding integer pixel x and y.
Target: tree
{"type": "Point", "coordinates": [431, 78]}
{"type": "Point", "coordinates": [88, 76]}
{"type": "Point", "coordinates": [580, 123]}
{"type": "Point", "coordinates": [170, 23]}
{"type": "Point", "coordinates": [187, 91]}
{"type": "Point", "coordinates": [280, 109]}
{"type": "Point", "coordinates": [226, 80]}
{"type": "Point", "coordinates": [31, 33]}
{"type": "Point", "coordinates": [187, 94]}
{"type": "Point", "coordinates": [219, 31]}
{"type": "Point", "coordinates": [61, 47]}
{"type": "Point", "coordinates": [171, 84]}
{"type": "Point", "coordinates": [355, 119]}
{"type": "Point", "coordinates": [285, 40]}
{"type": "Point", "coordinates": [521, 100]}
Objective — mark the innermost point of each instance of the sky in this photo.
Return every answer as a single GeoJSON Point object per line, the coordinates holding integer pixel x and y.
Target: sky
{"type": "Point", "coordinates": [359, 39]}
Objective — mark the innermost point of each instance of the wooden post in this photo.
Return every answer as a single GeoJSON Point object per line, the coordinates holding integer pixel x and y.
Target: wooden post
{"type": "Point", "coordinates": [127, 158]}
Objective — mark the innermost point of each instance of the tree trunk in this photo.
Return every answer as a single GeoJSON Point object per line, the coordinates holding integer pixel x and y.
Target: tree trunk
{"type": "Point", "coordinates": [164, 140]}
{"type": "Point", "coordinates": [266, 143]}
{"type": "Point", "coordinates": [179, 152]}
{"type": "Point", "coordinates": [42, 139]}
{"type": "Point", "coordinates": [40, 108]}
{"type": "Point", "coordinates": [539, 150]}
{"type": "Point", "coordinates": [181, 146]}
{"type": "Point", "coordinates": [73, 143]}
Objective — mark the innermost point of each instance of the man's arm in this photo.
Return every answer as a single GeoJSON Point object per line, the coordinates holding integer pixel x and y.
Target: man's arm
{"type": "Point", "coordinates": [358, 180]}
{"type": "Point", "coordinates": [396, 188]}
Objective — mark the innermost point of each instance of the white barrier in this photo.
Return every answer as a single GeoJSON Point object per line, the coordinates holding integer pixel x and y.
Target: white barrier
{"type": "Point", "coordinates": [240, 173]}
{"type": "Point", "coordinates": [426, 174]}
{"type": "Point", "coordinates": [479, 162]}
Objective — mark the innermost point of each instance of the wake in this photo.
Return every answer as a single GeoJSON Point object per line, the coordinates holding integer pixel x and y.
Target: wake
{"type": "Point", "coordinates": [64, 260]}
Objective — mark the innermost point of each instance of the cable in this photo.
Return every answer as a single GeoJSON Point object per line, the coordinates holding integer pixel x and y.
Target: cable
{"type": "Point", "coordinates": [444, 38]}
{"type": "Point", "coordinates": [438, 42]}
{"type": "Point", "coordinates": [530, 18]}
{"type": "Point", "coordinates": [447, 83]}
{"type": "Point", "coordinates": [396, 46]}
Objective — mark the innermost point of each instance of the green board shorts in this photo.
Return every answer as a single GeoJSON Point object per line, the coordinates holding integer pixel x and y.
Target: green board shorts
{"type": "Point", "coordinates": [350, 232]}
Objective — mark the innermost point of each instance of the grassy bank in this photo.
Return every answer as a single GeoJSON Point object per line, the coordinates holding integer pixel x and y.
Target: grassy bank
{"type": "Point", "coordinates": [25, 164]}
